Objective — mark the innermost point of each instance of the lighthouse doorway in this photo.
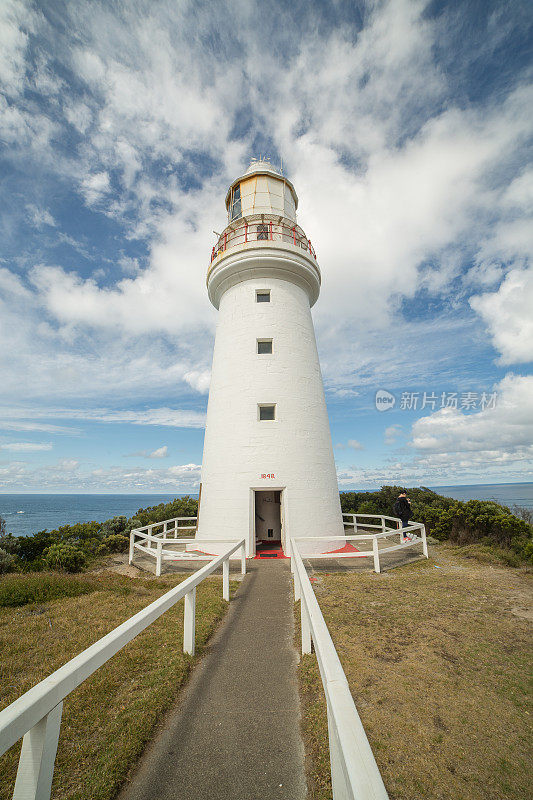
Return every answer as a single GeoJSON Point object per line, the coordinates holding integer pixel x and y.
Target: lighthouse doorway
{"type": "Point", "coordinates": [267, 518]}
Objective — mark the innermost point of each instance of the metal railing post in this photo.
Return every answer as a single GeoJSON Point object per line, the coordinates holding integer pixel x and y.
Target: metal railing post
{"type": "Point", "coordinates": [225, 580]}
{"type": "Point", "coordinates": [149, 531]}
{"type": "Point", "coordinates": [383, 527]}
{"type": "Point", "coordinates": [37, 756]}
{"type": "Point", "coordinates": [159, 558]}
{"type": "Point", "coordinates": [375, 552]}
{"type": "Point", "coordinates": [424, 541]}
{"type": "Point", "coordinates": [354, 523]}
{"type": "Point", "coordinates": [189, 622]}
{"type": "Point", "coordinates": [306, 629]}
{"type": "Point", "coordinates": [132, 547]}
{"type": "Point", "coordinates": [243, 559]}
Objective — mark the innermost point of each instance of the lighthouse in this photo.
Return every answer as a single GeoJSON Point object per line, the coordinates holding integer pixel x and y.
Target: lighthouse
{"type": "Point", "coordinates": [268, 471]}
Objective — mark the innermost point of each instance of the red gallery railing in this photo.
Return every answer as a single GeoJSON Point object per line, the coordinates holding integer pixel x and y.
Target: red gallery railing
{"type": "Point", "coordinates": [261, 230]}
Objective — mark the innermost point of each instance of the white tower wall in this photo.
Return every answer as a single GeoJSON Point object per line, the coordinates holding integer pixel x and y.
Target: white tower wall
{"type": "Point", "coordinates": [291, 453]}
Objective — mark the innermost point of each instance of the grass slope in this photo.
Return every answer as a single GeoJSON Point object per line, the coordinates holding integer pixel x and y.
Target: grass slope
{"type": "Point", "coordinates": [438, 661]}
{"type": "Point", "coordinates": [109, 718]}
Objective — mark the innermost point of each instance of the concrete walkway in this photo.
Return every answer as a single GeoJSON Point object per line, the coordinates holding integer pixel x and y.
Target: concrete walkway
{"type": "Point", "coordinates": [234, 734]}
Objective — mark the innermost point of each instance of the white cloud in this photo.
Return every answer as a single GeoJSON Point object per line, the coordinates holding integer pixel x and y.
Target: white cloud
{"type": "Point", "coordinates": [15, 22]}
{"type": "Point", "coordinates": [70, 474]}
{"type": "Point", "coordinates": [167, 417]}
{"type": "Point", "coordinates": [400, 186]}
{"type": "Point", "coordinates": [95, 187]}
{"type": "Point", "coordinates": [198, 380]}
{"type": "Point", "coordinates": [503, 432]}
{"type": "Point", "coordinates": [392, 434]}
{"type": "Point", "coordinates": [508, 316]}
{"type": "Point", "coordinates": [411, 199]}
{"type": "Point", "coordinates": [66, 465]}
{"type": "Point", "coordinates": [355, 445]}
{"type": "Point", "coordinates": [451, 446]}
{"type": "Point", "coordinates": [160, 452]}
{"type": "Point", "coordinates": [40, 217]}
{"type": "Point", "coordinates": [26, 447]}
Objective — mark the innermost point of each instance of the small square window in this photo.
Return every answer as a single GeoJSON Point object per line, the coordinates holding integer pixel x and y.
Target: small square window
{"type": "Point", "coordinates": [262, 297]}
{"type": "Point", "coordinates": [264, 346]}
{"type": "Point", "coordinates": [267, 412]}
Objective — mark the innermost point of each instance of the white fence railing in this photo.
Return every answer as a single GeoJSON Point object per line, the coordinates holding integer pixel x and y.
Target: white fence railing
{"type": "Point", "coordinates": [169, 528]}
{"type": "Point", "coordinates": [415, 534]}
{"type": "Point", "coordinates": [354, 772]}
{"type": "Point", "coordinates": [36, 715]}
{"type": "Point", "coordinates": [164, 544]}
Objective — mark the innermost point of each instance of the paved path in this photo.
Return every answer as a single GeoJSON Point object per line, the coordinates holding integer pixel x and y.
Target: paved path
{"type": "Point", "coordinates": [235, 732]}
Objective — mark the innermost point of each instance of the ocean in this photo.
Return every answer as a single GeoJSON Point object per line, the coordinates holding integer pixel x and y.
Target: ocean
{"type": "Point", "coordinates": [507, 494]}
{"type": "Point", "coordinates": [28, 513]}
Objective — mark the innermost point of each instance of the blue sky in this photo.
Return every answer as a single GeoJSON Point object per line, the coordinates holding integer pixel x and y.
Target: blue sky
{"type": "Point", "coordinates": [404, 126]}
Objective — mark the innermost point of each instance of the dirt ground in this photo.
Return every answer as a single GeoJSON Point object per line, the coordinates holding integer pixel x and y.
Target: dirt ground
{"type": "Point", "coordinates": [438, 655]}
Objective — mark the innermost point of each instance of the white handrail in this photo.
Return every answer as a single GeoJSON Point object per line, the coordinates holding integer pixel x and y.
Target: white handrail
{"type": "Point", "coordinates": [354, 772]}
{"type": "Point", "coordinates": [153, 545]}
{"type": "Point", "coordinates": [415, 527]}
{"type": "Point", "coordinates": [36, 715]}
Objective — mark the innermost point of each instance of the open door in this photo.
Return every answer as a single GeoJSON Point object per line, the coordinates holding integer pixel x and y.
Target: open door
{"type": "Point", "coordinates": [268, 520]}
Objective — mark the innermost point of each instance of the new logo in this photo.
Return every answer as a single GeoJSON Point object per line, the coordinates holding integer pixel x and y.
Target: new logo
{"type": "Point", "coordinates": [384, 400]}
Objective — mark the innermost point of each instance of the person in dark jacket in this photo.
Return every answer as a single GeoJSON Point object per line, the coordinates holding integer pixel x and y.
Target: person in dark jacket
{"type": "Point", "coordinates": [402, 509]}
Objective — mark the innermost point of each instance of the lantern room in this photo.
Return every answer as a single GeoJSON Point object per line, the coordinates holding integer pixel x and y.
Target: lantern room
{"type": "Point", "coordinates": [261, 190]}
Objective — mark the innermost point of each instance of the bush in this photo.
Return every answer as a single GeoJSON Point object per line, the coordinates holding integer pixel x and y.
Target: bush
{"type": "Point", "coordinates": [18, 590]}
{"type": "Point", "coordinates": [7, 562]}
{"type": "Point", "coordinates": [116, 543]}
{"type": "Point", "coordinates": [63, 556]}
{"type": "Point", "coordinates": [113, 526]}
{"type": "Point", "coordinates": [476, 521]}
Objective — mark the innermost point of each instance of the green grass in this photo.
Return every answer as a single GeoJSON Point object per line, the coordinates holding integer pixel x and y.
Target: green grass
{"type": "Point", "coordinates": [40, 587]}
{"type": "Point", "coordinates": [108, 720]}
{"type": "Point", "coordinates": [439, 662]}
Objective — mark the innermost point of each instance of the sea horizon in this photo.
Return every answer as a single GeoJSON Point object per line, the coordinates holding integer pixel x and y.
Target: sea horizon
{"type": "Point", "coordinates": [27, 513]}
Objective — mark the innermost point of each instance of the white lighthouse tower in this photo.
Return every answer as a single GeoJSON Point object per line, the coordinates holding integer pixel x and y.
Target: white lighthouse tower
{"type": "Point", "coordinates": [268, 471]}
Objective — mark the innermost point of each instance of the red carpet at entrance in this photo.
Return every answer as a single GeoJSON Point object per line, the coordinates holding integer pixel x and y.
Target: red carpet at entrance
{"type": "Point", "coordinates": [269, 550]}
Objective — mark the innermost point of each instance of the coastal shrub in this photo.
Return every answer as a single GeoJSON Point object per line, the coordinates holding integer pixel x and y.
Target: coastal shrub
{"type": "Point", "coordinates": [9, 543]}
{"type": "Point", "coordinates": [116, 543]}
{"type": "Point", "coordinates": [31, 548]}
{"type": "Point", "coordinates": [113, 526]}
{"type": "Point", "coordinates": [523, 513]}
{"type": "Point", "coordinates": [475, 521]}
{"type": "Point", "coordinates": [18, 590]}
{"type": "Point", "coordinates": [65, 557]}
{"type": "Point", "coordinates": [369, 507]}
{"type": "Point", "coordinates": [7, 562]}
{"type": "Point", "coordinates": [180, 507]}
{"type": "Point", "coordinates": [89, 539]}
